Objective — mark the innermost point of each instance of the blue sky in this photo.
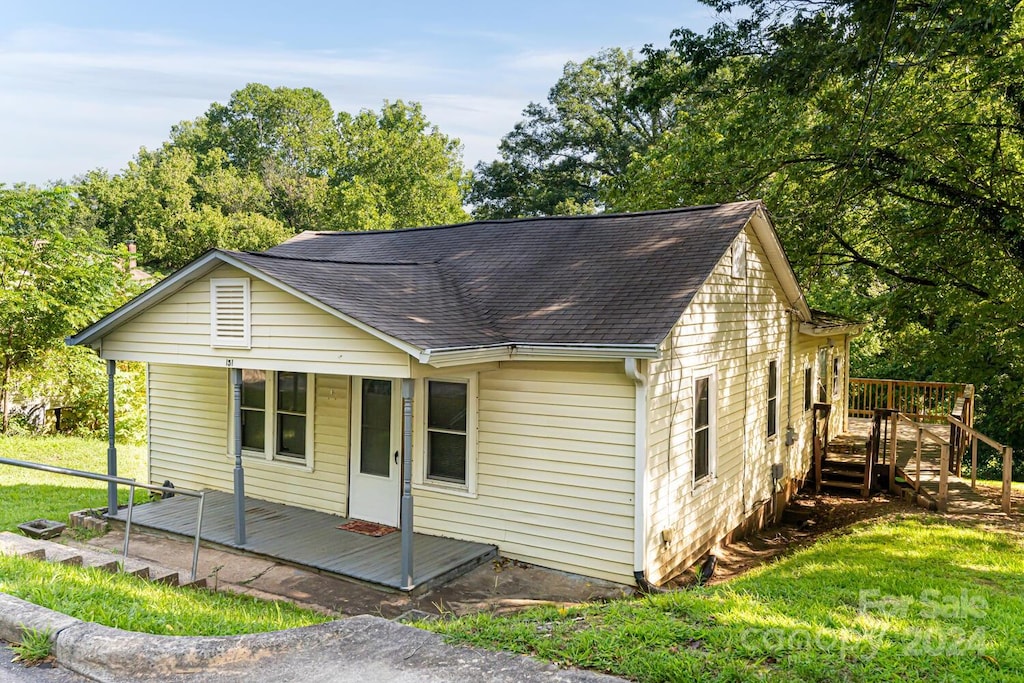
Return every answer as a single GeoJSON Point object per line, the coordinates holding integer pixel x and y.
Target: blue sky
{"type": "Point", "coordinates": [84, 84]}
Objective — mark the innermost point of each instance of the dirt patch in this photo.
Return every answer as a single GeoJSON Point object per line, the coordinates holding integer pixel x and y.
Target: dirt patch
{"type": "Point", "coordinates": [811, 516]}
{"type": "Point", "coordinates": [808, 517]}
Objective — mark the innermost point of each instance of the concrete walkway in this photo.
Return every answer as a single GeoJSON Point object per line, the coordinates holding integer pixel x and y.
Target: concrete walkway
{"type": "Point", "coordinates": [362, 648]}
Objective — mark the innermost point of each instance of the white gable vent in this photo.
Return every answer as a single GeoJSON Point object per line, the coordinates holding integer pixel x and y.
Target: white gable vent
{"type": "Point", "coordinates": [229, 312]}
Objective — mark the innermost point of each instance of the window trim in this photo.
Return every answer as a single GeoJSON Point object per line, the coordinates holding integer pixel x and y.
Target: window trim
{"type": "Point", "coordinates": [772, 399]}
{"type": "Point", "coordinates": [712, 474]}
{"type": "Point", "coordinates": [269, 454]}
{"type": "Point", "coordinates": [245, 341]}
{"type": "Point", "coordinates": [808, 388]}
{"type": "Point", "coordinates": [420, 478]}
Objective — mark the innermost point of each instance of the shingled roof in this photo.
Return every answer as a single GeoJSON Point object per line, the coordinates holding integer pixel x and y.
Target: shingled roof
{"type": "Point", "coordinates": [605, 281]}
{"type": "Point", "coordinates": [608, 279]}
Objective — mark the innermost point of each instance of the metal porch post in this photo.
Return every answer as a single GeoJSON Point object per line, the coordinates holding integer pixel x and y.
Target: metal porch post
{"type": "Point", "coordinates": [236, 384]}
{"type": "Point", "coordinates": [407, 393]}
{"type": "Point", "coordinates": [111, 447]}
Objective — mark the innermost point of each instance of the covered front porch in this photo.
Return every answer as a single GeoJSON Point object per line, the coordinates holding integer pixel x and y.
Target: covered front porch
{"type": "Point", "coordinates": [309, 538]}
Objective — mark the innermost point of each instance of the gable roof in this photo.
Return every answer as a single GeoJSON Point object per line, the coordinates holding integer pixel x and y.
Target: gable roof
{"type": "Point", "coordinates": [609, 280]}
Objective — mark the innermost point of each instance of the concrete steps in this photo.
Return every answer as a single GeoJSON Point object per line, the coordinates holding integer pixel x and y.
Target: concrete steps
{"type": "Point", "coordinates": [51, 551]}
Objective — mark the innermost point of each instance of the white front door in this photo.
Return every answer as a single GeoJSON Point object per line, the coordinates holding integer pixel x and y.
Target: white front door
{"type": "Point", "coordinates": [375, 477]}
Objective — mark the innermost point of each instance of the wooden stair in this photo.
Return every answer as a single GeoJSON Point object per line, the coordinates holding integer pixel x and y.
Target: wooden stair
{"type": "Point", "coordinates": [51, 551]}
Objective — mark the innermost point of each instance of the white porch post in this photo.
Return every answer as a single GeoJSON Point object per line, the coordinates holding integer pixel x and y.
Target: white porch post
{"type": "Point", "coordinates": [111, 448]}
{"type": "Point", "coordinates": [406, 510]}
{"type": "Point", "coordinates": [236, 384]}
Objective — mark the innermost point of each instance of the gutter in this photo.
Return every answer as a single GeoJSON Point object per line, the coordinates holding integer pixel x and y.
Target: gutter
{"type": "Point", "coordinates": [633, 371]}
{"type": "Point", "coordinates": [444, 357]}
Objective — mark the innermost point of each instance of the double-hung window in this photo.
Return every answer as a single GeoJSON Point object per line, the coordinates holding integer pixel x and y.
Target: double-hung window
{"type": "Point", "coordinates": [276, 408]}
{"type": "Point", "coordinates": [447, 431]}
{"type": "Point", "coordinates": [773, 398]}
{"type": "Point", "coordinates": [704, 406]}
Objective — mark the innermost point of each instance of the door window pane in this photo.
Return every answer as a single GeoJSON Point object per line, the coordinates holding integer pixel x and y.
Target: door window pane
{"type": "Point", "coordinates": [375, 430]}
{"type": "Point", "coordinates": [447, 403]}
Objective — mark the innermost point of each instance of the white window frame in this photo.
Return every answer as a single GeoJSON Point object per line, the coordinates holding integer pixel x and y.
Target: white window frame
{"type": "Point", "coordinates": [269, 453]}
{"type": "Point", "coordinates": [245, 341]}
{"type": "Point", "coordinates": [809, 388]}
{"type": "Point", "coordinates": [712, 376]}
{"type": "Point", "coordinates": [769, 410]}
{"type": "Point", "coordinates": [420, 478]}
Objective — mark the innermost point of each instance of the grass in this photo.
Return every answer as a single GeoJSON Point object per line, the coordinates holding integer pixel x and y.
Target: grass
{"type": "Point", "coordinates": [35, 646]}
{"type": "Point", "coordinates": [116, 600]}
{"type": "Point", "coordinates": [30, 494]}
{"type": "Point", "coordinates": [904, 599]}
{"type": "Point", "coordinates": [998, 483]}
{"type": "Point", "coordinates": [130, 603]}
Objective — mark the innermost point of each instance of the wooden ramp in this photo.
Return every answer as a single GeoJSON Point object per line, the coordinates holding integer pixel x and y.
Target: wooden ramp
{"type": "Point", "coordinates": [962, 499]}
{"type": "Point", "coordinates": [308, 538]}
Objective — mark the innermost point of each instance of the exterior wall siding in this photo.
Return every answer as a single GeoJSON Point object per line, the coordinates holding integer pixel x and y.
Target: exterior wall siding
{"type": "Point", "coordinates": [189, 418]}
{"type": "Point", "coordinates": [734, 327]}
{"type": "Point", "coordinates": [555, 449]}
{"type": "Point", "coordinates": [287, 334]}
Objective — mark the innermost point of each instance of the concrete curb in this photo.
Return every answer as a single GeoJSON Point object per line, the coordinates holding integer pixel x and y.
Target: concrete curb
{"type": "Point", "coordinates": [362, 648]}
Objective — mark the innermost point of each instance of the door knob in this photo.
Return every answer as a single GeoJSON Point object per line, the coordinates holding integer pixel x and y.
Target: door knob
{"type": "Point", "coordinates": [396, 457]}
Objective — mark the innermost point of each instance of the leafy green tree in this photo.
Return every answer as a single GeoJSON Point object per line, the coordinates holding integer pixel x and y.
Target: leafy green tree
{"type": "Point", "coordinates": [54, 279]}
{"type": "Point", "coordinates": [562, 156]}
{"type": "Point", "coordinates": [397, 170]}
{"type": "Point", "coordinates": [887, 137]}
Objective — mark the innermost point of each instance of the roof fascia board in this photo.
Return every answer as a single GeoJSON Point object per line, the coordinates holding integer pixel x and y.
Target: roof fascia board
{"type": "Point", "coordinates": [769, 238]}
{"type": "Point", "coordinates": [812, 330]}
{"type": "Point", "coordinates": [154, 295]}
{"type": "Point", "coordinates": [441, 358]}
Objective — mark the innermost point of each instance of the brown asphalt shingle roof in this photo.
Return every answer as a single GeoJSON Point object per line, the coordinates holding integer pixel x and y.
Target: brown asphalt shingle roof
{"type": "Point", "coordinates": [595, 280]}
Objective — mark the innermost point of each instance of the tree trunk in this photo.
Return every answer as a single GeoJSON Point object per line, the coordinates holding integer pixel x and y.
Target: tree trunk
{"type": "Point", "coordinates": [5, 382]}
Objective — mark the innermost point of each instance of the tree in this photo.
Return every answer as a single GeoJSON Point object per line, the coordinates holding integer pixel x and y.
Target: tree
{"type": "Point", "coordinates": [887, 137]}
{"type": "Point", "coordinates": [54, 278]}
{"type": "Point", "coordinates": [397, 170]}
{"type": "Point", "coordinates": [561, 157]}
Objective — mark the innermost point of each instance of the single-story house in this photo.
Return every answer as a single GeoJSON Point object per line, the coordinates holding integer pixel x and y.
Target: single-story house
{"type": "Point", "coordinates": [609, 395]}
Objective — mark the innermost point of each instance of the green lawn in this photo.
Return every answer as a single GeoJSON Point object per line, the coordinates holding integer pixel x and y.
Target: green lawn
{"type": "Point", "coordinates": [132, 604]}
{"type": "Point", "coordinates": [905, 599]}
{"type": "Point", "coordinates": [111, 599]}
{"type": "Point", "coordinates": [29, 494]}
{"type": "Point", "coordinates": [998, 483]}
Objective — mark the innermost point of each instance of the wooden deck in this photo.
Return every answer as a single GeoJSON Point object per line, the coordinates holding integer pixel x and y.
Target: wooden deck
{"type": "Point", "coordinates": [308, 538]}
{"type": "Point", "coordinates": [962, 498]}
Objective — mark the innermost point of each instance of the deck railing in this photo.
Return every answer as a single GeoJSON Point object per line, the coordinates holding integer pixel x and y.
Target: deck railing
{"type": "Point", "coordinates": [132, 485]}
{"type": "Point", "coordinates": [921, 401]}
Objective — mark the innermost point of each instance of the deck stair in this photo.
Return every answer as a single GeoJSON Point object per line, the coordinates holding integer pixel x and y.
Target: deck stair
{"type": "Point", "coordinates": [51, 551]}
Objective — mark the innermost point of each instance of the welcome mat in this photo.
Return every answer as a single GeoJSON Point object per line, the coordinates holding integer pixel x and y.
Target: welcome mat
{"type": "Point", "coordinates": [367, 528]}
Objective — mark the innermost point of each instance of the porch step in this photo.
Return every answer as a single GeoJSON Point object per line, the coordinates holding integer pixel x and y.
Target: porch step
{"type": "Point", "coordinates": [51, 551]}
{"type": "Point", "coordinates": [841, 484]}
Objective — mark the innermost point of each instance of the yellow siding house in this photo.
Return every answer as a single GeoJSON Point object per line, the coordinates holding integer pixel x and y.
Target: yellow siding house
{"type": "Point", "coordinates": [607, 395]}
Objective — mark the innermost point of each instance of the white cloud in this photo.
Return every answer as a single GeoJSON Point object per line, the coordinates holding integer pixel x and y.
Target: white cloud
{"type": "Point", "coordinates": [74, 100]}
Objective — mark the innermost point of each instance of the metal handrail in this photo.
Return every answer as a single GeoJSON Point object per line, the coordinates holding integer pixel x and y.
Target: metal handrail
{"type": "Point", "coordinates": [132, 485]}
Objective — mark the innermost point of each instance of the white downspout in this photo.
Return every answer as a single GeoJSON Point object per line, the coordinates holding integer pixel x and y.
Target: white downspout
{"type": "Point", "coordinates": [634, 372]}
